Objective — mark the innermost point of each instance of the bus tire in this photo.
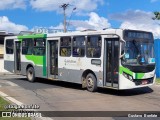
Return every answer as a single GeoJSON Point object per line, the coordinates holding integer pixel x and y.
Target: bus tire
{"type": "Point", "coordinates": [91, 82]}
{"type": "Point", "coordinates": [31, 74]}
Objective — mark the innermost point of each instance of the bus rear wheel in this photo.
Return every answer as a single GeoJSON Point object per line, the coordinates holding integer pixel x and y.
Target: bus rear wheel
{"type": "Point", "coordinates": [30, 74]}
{"type": "Point", "coordinates": [91, 82]}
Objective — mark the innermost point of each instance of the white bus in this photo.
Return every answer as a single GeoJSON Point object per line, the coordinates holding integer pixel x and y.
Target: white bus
{"type": "Point", "coordinates": [111, 58]}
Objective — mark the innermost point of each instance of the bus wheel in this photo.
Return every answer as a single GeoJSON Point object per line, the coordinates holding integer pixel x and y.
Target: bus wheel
{"type": "Point", "coordinates": [91, 83]}
{"type": "Point", "coordinates": [30, 74]}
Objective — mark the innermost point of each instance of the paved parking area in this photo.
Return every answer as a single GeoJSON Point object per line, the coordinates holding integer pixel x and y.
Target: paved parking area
{"type": "Point", "coordinates": [62, 96]}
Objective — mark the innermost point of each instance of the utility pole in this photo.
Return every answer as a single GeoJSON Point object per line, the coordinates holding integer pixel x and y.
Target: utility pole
{"type": "Point", "coordinates": [64, 6]}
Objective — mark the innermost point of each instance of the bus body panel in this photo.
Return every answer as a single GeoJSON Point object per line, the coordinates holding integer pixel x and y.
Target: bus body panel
{"type": "Point", "coordinates": [39, 65]}
{"type": "Point", "coordinates": [9, 65]}
{"type": "Point", "coordinates": [139, 77]}
{"type": "Point", "coordinates": [9, 58]}
{"type": "Point", "coordinates": [127, 84]}
{"type": "Point", "coordinates": [75, 76]}
{"type": "Point", "coordinates": [72, 68]}
{"type": "Point", "coordinates": [24, 67]}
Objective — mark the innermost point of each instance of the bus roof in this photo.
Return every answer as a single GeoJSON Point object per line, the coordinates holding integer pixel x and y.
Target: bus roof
{"type": "Point", "coordinates": [59, 34]}
{"type": "Point", "coordinates": [77, 33]}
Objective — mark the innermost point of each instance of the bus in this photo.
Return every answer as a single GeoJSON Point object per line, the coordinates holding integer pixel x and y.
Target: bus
{"type": "Point", "coordinates": [111, 58]}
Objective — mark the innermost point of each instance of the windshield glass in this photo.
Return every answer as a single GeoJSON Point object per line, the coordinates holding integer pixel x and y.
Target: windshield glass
{"type": "Point", "coordinates": [138, 53]}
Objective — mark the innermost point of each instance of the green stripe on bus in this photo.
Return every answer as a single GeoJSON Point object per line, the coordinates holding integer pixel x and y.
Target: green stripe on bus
{"type": "Point", "coordinates": [139, 75]}
{"type": "Point", "coordinates": [44, 59]}
{"type": "Point", "coordinates": [123, 69]}
{"type": "Point", "coordinates": [32, 36]}
{"type": "Point", "coordinates": [44, 66]}
{"type": "Point", "coordinates": [38, 60]}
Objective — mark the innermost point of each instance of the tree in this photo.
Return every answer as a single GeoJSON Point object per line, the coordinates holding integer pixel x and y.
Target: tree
{"type": "Point", "coordinates": [157, 16]}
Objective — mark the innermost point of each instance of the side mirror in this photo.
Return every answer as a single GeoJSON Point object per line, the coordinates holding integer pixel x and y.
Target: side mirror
{"type": "Point", "coordinates": [123, 43]}
{"type": "Point", "coordinates": [122, 54]}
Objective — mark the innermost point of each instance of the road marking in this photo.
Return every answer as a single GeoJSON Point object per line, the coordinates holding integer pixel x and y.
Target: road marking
{"type": "Point", "coordinates": [20, 103]}
{"type": "Point", "coordinates": [11, 83]}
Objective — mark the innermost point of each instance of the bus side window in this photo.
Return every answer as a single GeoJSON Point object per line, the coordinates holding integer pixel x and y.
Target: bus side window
{"type": "Point", "coordinates": [65, 46]}
{"type": "Point", "coordinates": [9, 46]}
{"type": "Point", "coordinates": [27, 46]}
{"type": "Point", "coordinates": [39, 46]}
{"type": "Point", "coordinates": [94, 46]}
{"type": "Point", "coordinates": [78, 46]}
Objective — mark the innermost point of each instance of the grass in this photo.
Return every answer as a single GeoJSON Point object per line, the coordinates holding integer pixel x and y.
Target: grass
{"type": "Point", "coordinates": [2, 104]}
{"type": "Point", "coordinates": [158, 80]}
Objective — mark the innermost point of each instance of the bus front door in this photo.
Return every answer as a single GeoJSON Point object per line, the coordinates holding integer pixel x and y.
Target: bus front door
{"type": "Point", "coordinates": [53, 59]}
{"type": "Point", "coordinates": [17, 56]}
{"type": "Point", "coordinates": [111, 62]}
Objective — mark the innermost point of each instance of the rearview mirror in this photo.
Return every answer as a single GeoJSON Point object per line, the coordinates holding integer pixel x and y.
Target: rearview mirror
{"type": "Point", "coordinates": [123, 43]}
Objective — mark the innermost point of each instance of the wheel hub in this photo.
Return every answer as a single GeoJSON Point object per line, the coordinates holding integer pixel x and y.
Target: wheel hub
{"type": "Point", "coordinates": [30, 75]}
{"type": "Point", "coordinates": [90, 82]}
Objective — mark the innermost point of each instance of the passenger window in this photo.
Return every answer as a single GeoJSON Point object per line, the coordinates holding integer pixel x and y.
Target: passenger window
{"type": "Point", "coordinates": [65, 46]}
{"type": "Point", "coordinates": [27, 46]}
{"type": "Point", "coordinates": [39, 46]}
{"type": "Point", "coordinates": [9, 46]}
{"type": "Point", "coordinates": [94, 46]}
{"type": "Point", "coordinates": [79, 46]}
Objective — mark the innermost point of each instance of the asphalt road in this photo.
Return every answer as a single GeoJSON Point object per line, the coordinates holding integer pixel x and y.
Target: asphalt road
{"type": "Point", "coordinates": [63, 96]}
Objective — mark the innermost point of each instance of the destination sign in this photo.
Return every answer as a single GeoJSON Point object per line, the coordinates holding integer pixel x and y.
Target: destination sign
{"type": "Point", "coordinates": [128, 34]}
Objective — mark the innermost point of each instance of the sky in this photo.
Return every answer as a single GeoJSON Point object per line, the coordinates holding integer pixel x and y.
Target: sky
{"type": "Point", "coordinates": [25, 15]}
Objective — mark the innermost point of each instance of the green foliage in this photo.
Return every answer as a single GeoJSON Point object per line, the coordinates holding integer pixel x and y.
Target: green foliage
{"type": "Point", "coordinates": [158, 80]}
{"type": "Point", "coordinates": [157, 16]}
{"type": "Point", "coordinates": [2, 104]}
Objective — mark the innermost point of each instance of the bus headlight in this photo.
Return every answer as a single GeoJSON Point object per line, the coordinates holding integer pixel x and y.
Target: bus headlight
{"type": "Point", "coordinates": [127, 76]}
{"type": "Point", "coordinates": [130, 77]}
{"type": "Point", "coordinates": [124, 74]}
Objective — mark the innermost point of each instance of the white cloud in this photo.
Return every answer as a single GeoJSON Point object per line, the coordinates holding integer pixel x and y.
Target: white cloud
{"type": "Point", "coordinates": [95, 22]}
{"type": "Point", "coordinates": [12, 4]}
{"type": "Point", "coordinates": [54, 5]}
{"type": "Point", "coordinates": [139, 20]}
{"type": "Point", "coordinates": [60, 26]}
{"type": "Point", "coordinates": [9, 26]}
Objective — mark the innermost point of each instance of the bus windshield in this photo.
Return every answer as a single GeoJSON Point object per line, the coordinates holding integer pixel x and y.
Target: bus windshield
{"type": "Point", "coordinates": [138, 53]}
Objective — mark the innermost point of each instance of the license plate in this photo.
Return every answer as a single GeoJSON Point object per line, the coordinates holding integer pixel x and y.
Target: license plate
{"type": "Point", "coordinates": [144, 82]}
